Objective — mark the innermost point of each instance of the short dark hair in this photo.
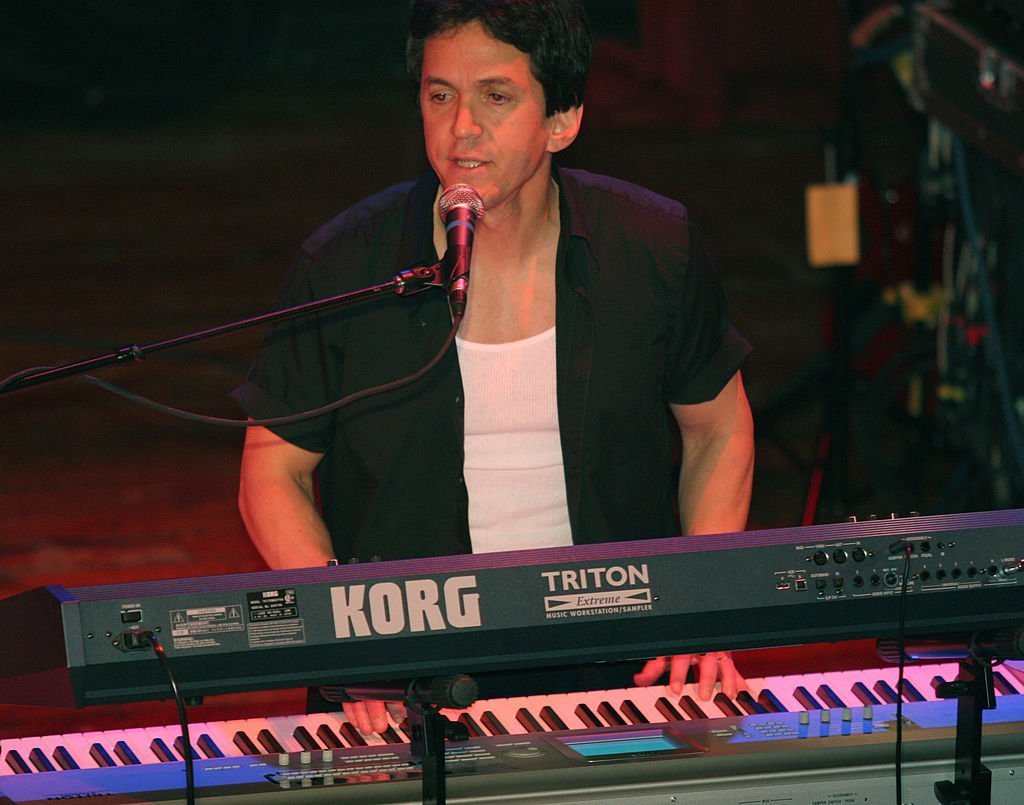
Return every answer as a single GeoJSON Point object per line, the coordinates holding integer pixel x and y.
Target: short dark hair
{"type": "Point", "coordinates": [553, 33]}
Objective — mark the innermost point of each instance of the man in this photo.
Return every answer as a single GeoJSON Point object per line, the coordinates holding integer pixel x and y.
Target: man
{"type": "Point", "coordinates": [593, 313]}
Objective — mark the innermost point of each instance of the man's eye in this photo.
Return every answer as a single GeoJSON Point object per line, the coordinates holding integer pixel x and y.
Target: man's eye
{"type": "Point", "coordinates": [497, 97]}
{"type": "Point", "coordinates": [440, 97]}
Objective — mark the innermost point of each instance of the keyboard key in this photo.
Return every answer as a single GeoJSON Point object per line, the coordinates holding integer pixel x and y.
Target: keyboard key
{"type": "Point", "coordinates": [492, 724]}
{"type": "Point", "coordinates": [64, 759]}
{"type": "Point", "coordinates": [162, 751]}
{"type": "Point", "coordinates": [329, 737]}
{"type": "Point", "coordinates": [610, 715]}
{"type": "Point", "coordinates": [99, 753]}
{"type": "Point", "coordinates": [528, 721]}
{"type": "Point", "coordinates": [245, 744]}
{"type": "Point", "coordinates": [587, 716]}
{"type": "Point", "coordinates": [865, 696]}
{"type": "Point", "coordinates": [749, 704]}
{"type": "Point", "coordinates": [17, 762]}
{"type": "Point", "coordinates": [474, 729]}
{"type": "Point", "coordinates": [125, 754]}
{"type": "Point", "coordinates": [632, 712]}
{"type": "Point", "coordinates": [37, 757]}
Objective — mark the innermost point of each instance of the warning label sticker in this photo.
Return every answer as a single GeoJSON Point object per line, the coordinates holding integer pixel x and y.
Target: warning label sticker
{"type": "Point", "coordinates": [203, 627]}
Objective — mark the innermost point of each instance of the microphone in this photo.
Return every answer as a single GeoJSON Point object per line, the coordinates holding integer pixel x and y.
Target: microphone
{"type": "Point", "coordinates": [455, 690]}
{"type": "Point", "coordinates": [460, 207]}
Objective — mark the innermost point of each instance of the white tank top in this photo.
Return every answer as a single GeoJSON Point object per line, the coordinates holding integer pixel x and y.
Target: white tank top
{"type": "Point", "coordinates": [513, 464]}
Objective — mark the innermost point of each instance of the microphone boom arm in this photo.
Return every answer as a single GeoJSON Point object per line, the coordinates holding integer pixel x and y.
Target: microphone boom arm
{"type": "Point", "coordinates": [405, 283]}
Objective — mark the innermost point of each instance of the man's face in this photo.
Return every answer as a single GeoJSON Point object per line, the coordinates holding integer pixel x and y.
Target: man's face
{"type": "Point", "coordinates": [484, 117]}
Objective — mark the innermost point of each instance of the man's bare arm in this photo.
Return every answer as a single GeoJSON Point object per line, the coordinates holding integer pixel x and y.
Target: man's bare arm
{"type": "Point", "coordinates": [718, 461]}
{"type": "Point", "coordinates": [277, 501]}
{"type": "Point", "coordinates": [714, 497]}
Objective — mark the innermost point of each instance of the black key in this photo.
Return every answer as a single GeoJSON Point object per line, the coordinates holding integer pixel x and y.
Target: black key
{"type": "Point", "coordinates": [830, 697]}
{"type": "Point", "coordinates": [552, 719]}
{"type": "Point", "coordinates": [245, 744]}
{"type": "Point", "coordinates": [726, 705]}
{"type": "Point", "coordinates": [126, 755]}
{"type": "Point", "coordinates": [493, 725]}
{"type": "Point", "coordinates": [586, 715]}
{"type": "Point", "coordinates": [37, 757]}
{"type": "Point", "coordinates": [404, 732]}
{"type": "Point", "coordinates": [179, 747]}
{"type": "Point", "coordinates": [208, 746]}
{"type": "Point", "coordinates": [329, 737]}
{"type": "Point", "coordinates": [770, 702]}
{"type": "Point", "coordinates": [860, 690]}
{"type": "Point", "coordinates": [885, 692]}
{"type": "Point", "coordinates": [306, 741]}
{"type": "Point", "coordinates": [632, 713]}
{"type": "Point", "coordinates": [611, 715]}
{"type": "Point", "coordinates": [1005, 684]}
{"type": "Point", "coordinates": [474, 729]}
{"type": "Point", "coordinates": [64, 759]}
{"type": "Point", "coordinates": [527, 719]}
{"type": "Point", "coordinates": [162, 751]}
{"type": "Point", "coordinates": [667, 709]}
{"type": "Point", "coordinates": [351, 734]}
{"type": "Point", "coordinates": [269, 741]}
{"type": "Point", "coordinates": [99, 753]}
{"type": "Point", "coordinates": [17, 762]}
{"type": "Point", "coordinates": [804, 696]}
{"type": "Point", "coordinates": [390, 736]}
{"type": "Point", "coordinates": [691, 708]}
{"type": "Point", "coordinates": [749, 703]}
{"type": "Point", "coordinates": [910, 693]}
{"type": "Point", "coordinates": [935, 681]}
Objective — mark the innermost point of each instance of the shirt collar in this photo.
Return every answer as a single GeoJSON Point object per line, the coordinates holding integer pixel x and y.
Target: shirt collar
{"type": "Point", "coordinates": [417, 247]}
{"type": "Point", "coordinates": [418, 236]}
{"type": "Point", "coordinates": [574, 222]}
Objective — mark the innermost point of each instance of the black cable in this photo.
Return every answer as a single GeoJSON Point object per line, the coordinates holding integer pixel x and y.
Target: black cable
{"type": "Point", "coordinates": [272, 421]}
{"type": "Point", "coordinates": [190, 774]}
{"type": "Point", "coordinates": [901, 645]}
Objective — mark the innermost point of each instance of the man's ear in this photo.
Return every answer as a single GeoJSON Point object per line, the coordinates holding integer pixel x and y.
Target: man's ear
{"type": "Point", "coordinates": [565, 126]}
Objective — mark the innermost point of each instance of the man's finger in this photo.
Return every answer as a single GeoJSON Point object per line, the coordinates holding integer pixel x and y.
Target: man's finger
{"type": "Point", "coordinates": [397, 711]}
{"type": "Point", "coordinates": [356, 714]}
{"type": "Point", "coordinates": [378, 713]}
{"type": "Point", "coordinates": [650, 673]}
{"type": "Point", "coordinates": [708, 667]}
{"type": "Point", "coordinates": [368, 717]}
{"type": "Point", "coordinates": [679, 670]}
{"type": "Point", "coordinates": [729, 676]}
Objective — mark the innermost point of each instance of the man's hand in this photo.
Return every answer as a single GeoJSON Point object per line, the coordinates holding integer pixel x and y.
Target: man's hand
{"type": "Point", "coordinates": [712, 667]}
{"type": "Point", "coordinates": [372, 716]}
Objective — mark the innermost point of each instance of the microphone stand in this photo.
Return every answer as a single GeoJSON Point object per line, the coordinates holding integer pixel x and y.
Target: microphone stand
{"type": "Point", "coordinates": [404, 283]}
{"type": "Point", "coordinates": [974, 690]}
{"type": "Point", "coordinates": [428, 726]}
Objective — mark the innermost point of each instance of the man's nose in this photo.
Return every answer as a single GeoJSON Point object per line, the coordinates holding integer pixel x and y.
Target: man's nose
{"type": "Point", "coordinates": [465, 123]}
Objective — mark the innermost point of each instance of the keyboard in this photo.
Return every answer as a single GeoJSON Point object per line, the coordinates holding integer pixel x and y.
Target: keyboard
{"type": "Point", "coordinates": [811, 733]}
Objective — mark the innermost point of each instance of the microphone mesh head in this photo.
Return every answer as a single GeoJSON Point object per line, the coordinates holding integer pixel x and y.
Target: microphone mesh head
{"type": "Point", "coordinates": [460, 195]}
